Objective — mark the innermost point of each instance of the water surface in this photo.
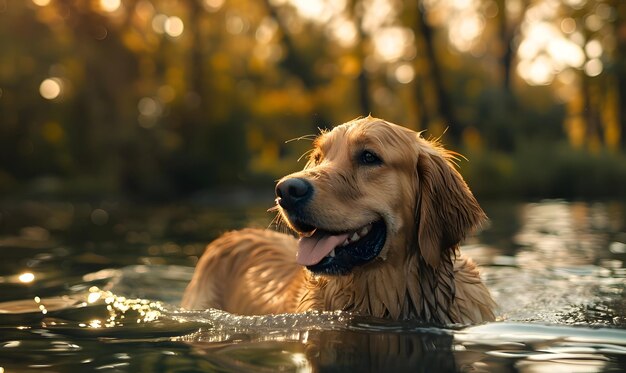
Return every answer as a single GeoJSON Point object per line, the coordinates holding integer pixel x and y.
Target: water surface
{"type": "Point", "coordinates": [95, 287]}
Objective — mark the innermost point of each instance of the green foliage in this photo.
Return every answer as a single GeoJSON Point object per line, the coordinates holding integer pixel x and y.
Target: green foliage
{"type": "Point", "coordinates": [543, 169]}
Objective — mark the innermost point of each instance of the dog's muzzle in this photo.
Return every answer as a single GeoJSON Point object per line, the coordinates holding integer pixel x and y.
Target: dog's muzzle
{"type": "Point", "coordinates": [324, 249]}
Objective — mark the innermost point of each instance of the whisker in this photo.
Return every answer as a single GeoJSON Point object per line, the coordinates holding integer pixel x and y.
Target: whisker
{"type": "Point", "coordinates": [277, 217]}
{"type": "Point", "coordinates": [309, 137]}
{"type": "Point", "coordinates": [305, 154]}
{"type": "Point", "coordinates": [279, 224]}
{"type": "Point", "coordinates": [275, 221]}
{"type": "Point", "coordinates": [278, 221]}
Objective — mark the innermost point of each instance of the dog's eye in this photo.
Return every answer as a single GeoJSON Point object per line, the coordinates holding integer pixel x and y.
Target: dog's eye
{"type": "Point", "coordinates": [369, 158]}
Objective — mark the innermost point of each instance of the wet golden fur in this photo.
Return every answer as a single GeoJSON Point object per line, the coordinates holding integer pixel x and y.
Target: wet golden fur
{"type": "Point", "coordinates": [420, 273]}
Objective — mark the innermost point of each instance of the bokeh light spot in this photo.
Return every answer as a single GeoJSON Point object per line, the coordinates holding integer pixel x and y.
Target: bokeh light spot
{"type": "Point", "coordinates": [594, 67]}
{"type": "Point", "coordinates": [593, 22]}
{"type": "Point", "coordinates": [266, 30]}
{"type": "Point", "coordinates": [51, 88]}
{"type": "Point", "coordinates": [235, 25]}
{"type": "Point", "coordinates": [404, 73]}
{"type": "Point", "coordinates": [391, 42]}
{"type": "Point", "coordinates": [94, 297]}
{"type": "Point", "coordinates": [148, 106]}
{"type": "Point", "coordinates": [41, 2]}
{"type": "Point", "coordinates": [539, 71]}
{"type": "Point", "coordinates": [158, 23]}
{"type": "Point", "coordinates": [100, 32]}
{"type": "Point", "coordinates": [110, 5]}
{"type": "Point", "coordinates": [99, 217]}
{"type": "Point", "coordinates": [563, 51]}
{"type": "Point", "coordinates": [144, 9]}
{"type": "Point", "coordinates": [593, 49]}
{"type": "Point", "coordinates": [568, 25]}
{"type": "Point", "coordinates": [467, 30]}
{"type": "Point", "coordinates": [166, 93]}
{"type": "Point", "coordinates": [316, 10]}
{"type": "Point", "coordinates": [213, 5]}
{"type": "Point", "coordinates": [576, 4]}
{"type": "Point", "coordinates": [174, 26]}
{"type": "Point", "coordinates": [26, 277]}
{"type": "Point", "coordinates": [345, 32]}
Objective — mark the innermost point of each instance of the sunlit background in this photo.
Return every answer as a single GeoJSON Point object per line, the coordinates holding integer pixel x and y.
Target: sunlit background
{"type": "Point", "coordinates": [169, 98]}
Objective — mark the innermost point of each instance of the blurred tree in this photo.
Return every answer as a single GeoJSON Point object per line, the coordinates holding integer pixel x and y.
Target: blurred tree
{"type": "Point", "coordinates": [620, 67]}
{"type": "Point", "coordinates": [169, 97]}
{"type": "Point", "coordinates": [442, 110]}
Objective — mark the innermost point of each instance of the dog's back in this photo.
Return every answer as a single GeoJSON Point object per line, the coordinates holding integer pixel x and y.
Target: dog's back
{"type": "Point", "coordinates": [247, 272]}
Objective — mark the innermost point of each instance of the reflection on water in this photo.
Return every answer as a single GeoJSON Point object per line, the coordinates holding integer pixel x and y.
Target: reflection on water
{"type": "Point", "coordinates": [78, 293]}
{"type": "Point", "coordinates": [561, 268]}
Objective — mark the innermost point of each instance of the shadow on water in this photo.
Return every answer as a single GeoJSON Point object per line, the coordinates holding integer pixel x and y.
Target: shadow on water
{"type": "Point", "coordinates": [95, 288]}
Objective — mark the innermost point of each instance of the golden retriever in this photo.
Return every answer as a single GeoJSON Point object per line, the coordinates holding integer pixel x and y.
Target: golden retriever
{"type": "Point", "coordinates": [379, 212]}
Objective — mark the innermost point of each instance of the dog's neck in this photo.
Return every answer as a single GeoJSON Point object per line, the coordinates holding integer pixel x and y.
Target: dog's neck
{"type": "Point", "coordinates": [417, 292]}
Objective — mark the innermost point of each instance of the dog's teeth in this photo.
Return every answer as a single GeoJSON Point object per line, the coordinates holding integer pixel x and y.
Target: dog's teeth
{"type": "Point", "coordinates": [308, 234]}
{"type": "Point", "coordinates": [332, 253]}
{"type": "Point", "coordinates": [364, 231]}
{"type": "Point", "coordinates": [355, 236]}
{"type": "Point", "coordinates": [345, 242]}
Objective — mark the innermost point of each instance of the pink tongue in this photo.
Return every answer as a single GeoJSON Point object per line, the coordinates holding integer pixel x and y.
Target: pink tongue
{"type": "Point", "coordinates": [311, 250]}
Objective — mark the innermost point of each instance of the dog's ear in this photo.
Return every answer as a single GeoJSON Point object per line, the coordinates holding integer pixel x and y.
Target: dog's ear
{"type": "Point", "coordinates": [446, 209]}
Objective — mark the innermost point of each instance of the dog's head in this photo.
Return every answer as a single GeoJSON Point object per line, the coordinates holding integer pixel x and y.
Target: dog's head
{"type": "Point", "coordinates": [373, 190]}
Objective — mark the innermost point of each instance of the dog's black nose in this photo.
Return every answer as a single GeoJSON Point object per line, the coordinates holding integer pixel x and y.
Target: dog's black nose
{"type": "Point", "coordinates": [293, 191]}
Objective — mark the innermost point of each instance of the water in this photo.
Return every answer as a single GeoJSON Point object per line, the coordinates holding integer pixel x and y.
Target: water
{"type": "Point", "coordinates": [95, 287]}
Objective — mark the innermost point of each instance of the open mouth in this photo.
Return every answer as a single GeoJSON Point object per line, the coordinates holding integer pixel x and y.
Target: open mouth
{"type": "Point", "coordinates": [326, 252]}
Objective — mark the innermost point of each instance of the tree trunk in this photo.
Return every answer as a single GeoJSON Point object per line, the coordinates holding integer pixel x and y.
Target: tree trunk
{"type": "Point", "coordinates": [443, 106]}
{"type": "Point", "coordinates": [363, 82]}
{"type": "Point", "coordinates": [620, 69]}
{"type": "Point", "coordinates": [292, 61]}
{"type": "Point", "coordinates": [296, 66]}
